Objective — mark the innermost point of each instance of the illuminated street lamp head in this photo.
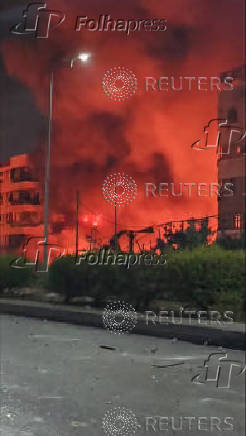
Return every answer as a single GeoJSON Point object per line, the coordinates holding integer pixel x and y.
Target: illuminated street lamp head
{"type": "Point", "coordinates": [82, 56]}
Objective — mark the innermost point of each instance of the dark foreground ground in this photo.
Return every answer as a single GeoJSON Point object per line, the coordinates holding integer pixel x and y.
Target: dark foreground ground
{"type": "Point", "coordinates": [56, 380]}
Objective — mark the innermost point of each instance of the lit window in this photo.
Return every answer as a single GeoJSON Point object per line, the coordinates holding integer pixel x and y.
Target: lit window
{"type": "Point", "coordinates": [238, 149]}
{"type": "Point", "coordinates": [237, 221]}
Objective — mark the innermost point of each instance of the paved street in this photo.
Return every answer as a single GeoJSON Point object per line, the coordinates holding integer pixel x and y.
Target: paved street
{"type": "Point", "coordinates": [56, 380]}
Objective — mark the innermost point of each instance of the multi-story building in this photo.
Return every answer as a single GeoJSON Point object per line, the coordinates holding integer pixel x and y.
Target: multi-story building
{"type": "Point", "coordinates": [231, 162]}
{"type": "Point", "coordinates": [21, 213]}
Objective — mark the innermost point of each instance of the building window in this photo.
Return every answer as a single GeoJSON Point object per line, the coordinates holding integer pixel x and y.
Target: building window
{"type": "Point", "coordinates": [237, 221]}
{"type": "Point", "coordinates": [24, 197]}
{"type": "Point", "coordinates": [28, 218]}
{"type": "Point", "coordinates": [9, 218]}
{"type": "Point", "coordinates": [232, 115]}
{"type": "Point", "coordinates": [22, 174]}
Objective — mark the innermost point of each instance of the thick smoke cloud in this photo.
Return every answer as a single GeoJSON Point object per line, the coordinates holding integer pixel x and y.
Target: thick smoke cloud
{"type": "Point", "coordinates": [149, 136]}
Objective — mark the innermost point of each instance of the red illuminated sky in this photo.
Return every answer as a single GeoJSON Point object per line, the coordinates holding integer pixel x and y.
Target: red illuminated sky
{"type": "Point", "coordinates": [147, 136]}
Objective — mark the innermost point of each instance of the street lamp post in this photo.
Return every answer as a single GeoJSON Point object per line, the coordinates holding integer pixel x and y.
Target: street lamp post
{"type": "Point", "coordinates": [47, 174]}
{"type": "Point", "coordinates": [84, 58]}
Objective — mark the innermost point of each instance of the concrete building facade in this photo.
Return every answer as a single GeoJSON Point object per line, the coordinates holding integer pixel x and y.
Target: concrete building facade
{"type": "Point", "coordinates": [21, 212]}
{"type": "Point", "coordinates": [232, 157]}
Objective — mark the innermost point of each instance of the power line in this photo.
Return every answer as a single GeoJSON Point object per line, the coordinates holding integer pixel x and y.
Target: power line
{"type": "Point", "coordinates": [134, 226]}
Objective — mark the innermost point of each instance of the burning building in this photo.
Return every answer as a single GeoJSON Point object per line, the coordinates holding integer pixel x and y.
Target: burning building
{"type": "Point", "coordinates": [231, 162]}
{"type": "Point", "coordinates": [21, 211]}
{"type": "Point", "coordinates": [148, 136]}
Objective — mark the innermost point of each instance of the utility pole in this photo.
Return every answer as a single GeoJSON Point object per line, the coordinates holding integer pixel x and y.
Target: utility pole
{"type": "Point", "coordinates": [131, 241]}
{"type": "Point", "coordinates": [84, 58]}
{"type": "Point", "coordinates": [47, 175]}
{"type": "Point", "coordinates": [77, 225]}
{"type": "Point", "coordinates": [115, 218]}
{"type": "Point", "coordinates": [115, 227]}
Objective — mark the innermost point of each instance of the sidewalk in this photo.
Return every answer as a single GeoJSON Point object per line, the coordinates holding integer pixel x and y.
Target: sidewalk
{"type": "Point", "coordinates": [226, 335]}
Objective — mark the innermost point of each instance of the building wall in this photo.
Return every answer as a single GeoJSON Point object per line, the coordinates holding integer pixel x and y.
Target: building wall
{"type": "Point", "coordinates": [231, 166]}
{"type": "Point", "coordinates": [21, 212]}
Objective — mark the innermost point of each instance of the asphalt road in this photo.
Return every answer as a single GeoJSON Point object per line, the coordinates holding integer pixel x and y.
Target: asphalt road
{"type": "Point", "coordinates": [56, 380]}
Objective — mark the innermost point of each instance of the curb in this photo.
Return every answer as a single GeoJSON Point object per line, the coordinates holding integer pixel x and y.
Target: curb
{"type": "Point", "coordinates": [195, 334]}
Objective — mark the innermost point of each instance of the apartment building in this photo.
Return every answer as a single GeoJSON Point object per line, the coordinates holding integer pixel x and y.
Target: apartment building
{"type": "Point", "coordinates": [21, 212]}
{"type": "Point", "coordinates": [231, 162]}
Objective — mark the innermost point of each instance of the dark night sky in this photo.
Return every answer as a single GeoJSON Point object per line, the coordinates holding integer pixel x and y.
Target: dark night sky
{"type": "Point", "coordinates": [21, 124]}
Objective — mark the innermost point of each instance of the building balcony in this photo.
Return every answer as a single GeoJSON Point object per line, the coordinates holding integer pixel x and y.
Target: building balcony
{"type": "Point", "coordinates": [17, 198]}
{"type": "Point", "coordinates": [24, 202]}
{"type": "Point", "coordinates": [21, 174]}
